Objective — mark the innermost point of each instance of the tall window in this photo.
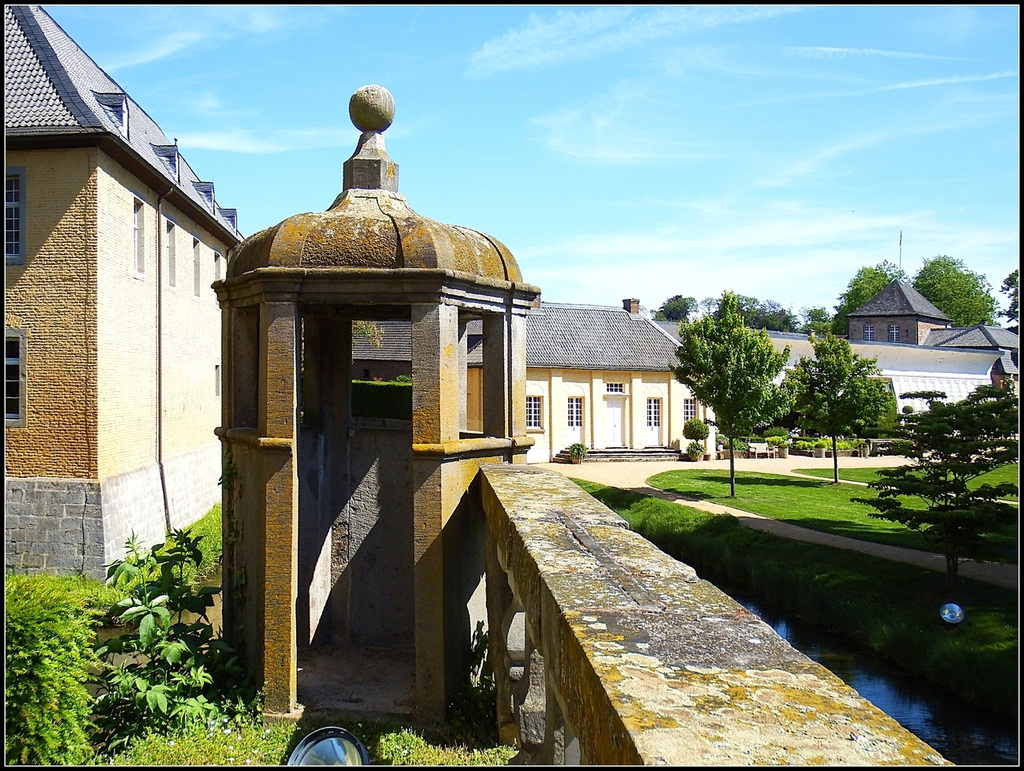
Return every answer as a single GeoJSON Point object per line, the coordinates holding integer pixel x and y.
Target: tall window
{"type": "Point", "coordinates": [14, 219]}
{"type": "Point", "coordinates": [654, 413]}
{"type": "Point", "coordinates": [869, 332]}
{"type": "Point", "coordinates": [894, 333]}
{"type": "Point", "coordinates": [172, 268]}
{"type": "Point", "coordinates": [14, 378]}
{"type": "Point", "coordinates": [575, 416]}
{"type": "Point", "coordinates": [689, 409]}
{"type": "Point", "coordinates": [138, 238]}
{"type": "Point", "coordinates": [197, 278]}
{"type": "Point", "coordinates": [533, 412]}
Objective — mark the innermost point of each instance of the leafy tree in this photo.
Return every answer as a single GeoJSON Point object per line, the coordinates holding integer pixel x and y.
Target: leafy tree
{"type": "Point", "coordinates": [676, 308]}
{"type": "Point", "coordinates": [816, 320]}
{"type": "Point", "coordinates": [772, 315]}
{"type": "Point", "coordinates": [963, 295]}
{"type": "Point", "coordinates": [837, 392]}
{"type": "Point", "coordinates": [1010, 289]}
{"type": "Point", "coordinates": [731, 367]}
{"type": "Point", "coordinates": [862, 287]}
{"type": "Point", "coordinates": [952, 444]}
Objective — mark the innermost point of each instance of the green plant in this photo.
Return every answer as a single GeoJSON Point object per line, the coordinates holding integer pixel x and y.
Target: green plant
{"type": "Point", "coordinates": [952, 444]}
{"type": "Point", "coordinates": [173, 672]}
{"type": "Point", "coordinates": [820, 445]}
{"type": "Point", "coordinates": [775, 432]}
{"type": "Point", "coordinates": [578, 450]}
{"type": "Point", "coordinates": [49, 631]}
{"type": "Point", "coordinates": [777, 441]}
{"type": "Point", "coordinates": [696, 429]}
{"type": "Point", "coordinates": [695, 450]}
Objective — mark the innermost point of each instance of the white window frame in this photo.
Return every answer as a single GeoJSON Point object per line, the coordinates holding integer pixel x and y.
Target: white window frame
{"type": "Point", "coordinates": [614, 388]}
{"type": "Point", "coordinates": [197, 267]}
{"type": "Point", "coordinates": [535, 413]}
{"type": "Point", "coordinates": [894, 333]}
{"type": "Point", "coordinates": [14, 379]}
{"type": "Point", "coordinates": [14, 216]}
{"type": "Point", "coordinates": [689, 409]}
{"type": "Point", "coordinates": [869, 332]}
{"type": "Point", "coordinates": [172, 253]}
{"type": "Point", "coordinates": [574, 412]}
{"type": "Point", "coordinates": [138, 236]}
{"type": "Point", "coordinates": [653, 412]}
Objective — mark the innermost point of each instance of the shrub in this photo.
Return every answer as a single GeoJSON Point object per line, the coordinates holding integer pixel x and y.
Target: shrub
{"type": "Point", "coordinates": [49, 632]}
{"type": "Point", "coordinates": [371, 399]}
{"type": "Point", "coordinates": [174, 673]}
{"type": "Point", "coordinates": [696, 429]}
{"type": "Point", "coordinates": [695, 450]}
{"type": "Point", "coordinates": [774, 432]}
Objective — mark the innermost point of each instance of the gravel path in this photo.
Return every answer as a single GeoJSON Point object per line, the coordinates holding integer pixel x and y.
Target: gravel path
{"type": "Point", "coordinates": [634, 476]}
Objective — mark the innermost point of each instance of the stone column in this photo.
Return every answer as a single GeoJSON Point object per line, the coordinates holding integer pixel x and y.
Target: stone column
{"type": "Point", "coordinates": [276, 427]}
{"type": "Point", "coordinates": [436, 396]}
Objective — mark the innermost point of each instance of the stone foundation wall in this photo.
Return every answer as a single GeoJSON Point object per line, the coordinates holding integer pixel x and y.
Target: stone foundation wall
{"type": "Point", "coordinates": [53, 526]}
{"type": "Point", "coordinates": [68, 526]}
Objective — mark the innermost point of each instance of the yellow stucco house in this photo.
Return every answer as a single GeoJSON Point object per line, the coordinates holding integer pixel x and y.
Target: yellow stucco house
{"type": "Point", "coordinates": [112, 330]}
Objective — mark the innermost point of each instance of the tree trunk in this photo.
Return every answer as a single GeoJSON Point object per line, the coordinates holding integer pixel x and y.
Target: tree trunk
{"type": "Point", "coordinates": [835, 462]}
{"type": "Point", "coordinates": [732, 467]}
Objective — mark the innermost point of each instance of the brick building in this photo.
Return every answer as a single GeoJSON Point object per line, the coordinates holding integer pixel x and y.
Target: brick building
{"type": "Point", "coordinates": [897, 314]}
{"type": "Point", "coordinates": [112, 344]}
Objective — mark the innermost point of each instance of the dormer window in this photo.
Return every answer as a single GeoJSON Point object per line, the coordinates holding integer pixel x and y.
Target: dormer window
{"type": "Point", "coordinates": [205, 190]}
{"type": "Point", "coordinates": [169, 155]}
{"type": "Point", "coordinates": [230, 216]}
{"type": "Point", "coordinates": [116, 107]}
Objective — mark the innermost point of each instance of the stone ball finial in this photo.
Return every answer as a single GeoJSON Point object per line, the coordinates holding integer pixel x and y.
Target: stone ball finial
{"type": "Point", "coordinates": [372, 108]}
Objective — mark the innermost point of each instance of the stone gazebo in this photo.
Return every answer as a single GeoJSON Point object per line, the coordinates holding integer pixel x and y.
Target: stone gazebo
{"type": "Point", "coordinates": [345, 535]}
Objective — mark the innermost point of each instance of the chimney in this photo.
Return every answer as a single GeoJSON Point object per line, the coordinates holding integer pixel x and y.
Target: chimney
{"type": "Point", "coordinates": [536, 302]}
{"type": "Point", "coordinates": [632, 305]}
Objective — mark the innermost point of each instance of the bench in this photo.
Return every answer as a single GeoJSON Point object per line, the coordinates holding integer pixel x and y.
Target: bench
{"type": "Point", "coordinates": [756, 449]}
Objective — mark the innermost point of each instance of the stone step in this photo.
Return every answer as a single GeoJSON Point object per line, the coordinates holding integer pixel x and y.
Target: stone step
{"type": "Point", "coordinates": [623, 454]}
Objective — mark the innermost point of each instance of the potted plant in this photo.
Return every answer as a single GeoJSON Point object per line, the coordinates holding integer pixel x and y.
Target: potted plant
{"type": "Point", "coordinates": [781, 445]}
{"type": "Point", "coordinates": [819, 449]}
{"type": "Point", "coordinates": [577, 452]}
{"type": "Point", "coordinates": [695, 451]}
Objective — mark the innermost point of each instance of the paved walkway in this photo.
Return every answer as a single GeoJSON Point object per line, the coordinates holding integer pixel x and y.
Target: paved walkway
{"type": "Point", "coordinates": [634, 475]}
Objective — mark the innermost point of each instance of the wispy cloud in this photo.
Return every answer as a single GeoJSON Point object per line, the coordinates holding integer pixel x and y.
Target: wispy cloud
{"type": "Point", "coordinates": [828, 52]}
{"type": "Point", "coordinates": [623, 126]}
{"type": "Point", "coordinates": [575, 35]}
{"type": "Point", "coordinates": [248, 142]}
{"type": "Point", "coordinates": [206, 26]}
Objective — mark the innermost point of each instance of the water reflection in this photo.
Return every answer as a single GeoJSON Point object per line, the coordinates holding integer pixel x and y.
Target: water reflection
{"type": "Point", "coordinates": [960, 732]}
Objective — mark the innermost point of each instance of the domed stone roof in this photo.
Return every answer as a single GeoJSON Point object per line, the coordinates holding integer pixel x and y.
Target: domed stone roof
{"type": "Point", "coordinates": [370, 225]}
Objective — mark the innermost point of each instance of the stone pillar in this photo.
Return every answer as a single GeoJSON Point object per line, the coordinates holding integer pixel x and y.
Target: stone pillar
{"type": "Point", "coordinates": [276, 427]}
{"type": "Point", "coordinates": [436, 396]}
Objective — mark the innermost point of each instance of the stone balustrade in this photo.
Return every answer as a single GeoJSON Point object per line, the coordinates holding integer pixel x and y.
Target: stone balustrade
{"type": "Point", "coordinates": [608, 651]}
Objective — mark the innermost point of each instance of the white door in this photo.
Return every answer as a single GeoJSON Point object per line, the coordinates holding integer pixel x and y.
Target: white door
{"type": "Point", "coordinates": [654, 423]}
{"type": "Point", "coordinates": [614, 423]}
{"type": "Point", "coordinates": [575, 419]}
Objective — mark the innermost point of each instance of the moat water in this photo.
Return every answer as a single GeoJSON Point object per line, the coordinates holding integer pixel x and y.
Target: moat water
{"type": "Point", "coordinates": [962, 733]}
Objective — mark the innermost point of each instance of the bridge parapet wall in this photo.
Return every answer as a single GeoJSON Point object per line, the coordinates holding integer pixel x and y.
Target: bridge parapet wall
{"type": "Point", "coordinates": [608, 651]}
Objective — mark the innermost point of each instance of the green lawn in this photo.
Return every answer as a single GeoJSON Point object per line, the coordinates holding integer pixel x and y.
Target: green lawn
{"type": "Point", "coordinates": [1009, 473]}
{"type": "Point", "coordinates": [808, 503]}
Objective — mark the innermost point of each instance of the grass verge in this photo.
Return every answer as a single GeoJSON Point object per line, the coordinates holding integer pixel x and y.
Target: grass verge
{"type": "Point", "coordinates": [885, 607]}
{"type": "Point", "coordinates": [1009, 473]}
{"type": "Point", "coordinates": [821, 506]}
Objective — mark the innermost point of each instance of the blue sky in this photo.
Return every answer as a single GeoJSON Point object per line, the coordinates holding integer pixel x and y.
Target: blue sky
{"type": "Point", "coordinates": [618, 151]}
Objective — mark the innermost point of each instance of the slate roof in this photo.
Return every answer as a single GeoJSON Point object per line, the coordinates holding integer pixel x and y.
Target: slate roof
{"type": "Point", "coordinates": [980, 336]}
{"type": "Point", "coordinates": [54, 90]}
{"type": "Point", "coordinates": [596, 337]}
{"type": "Point", "coordinates": [562, 336]}
{"type": "Point", "coordinates": [899, 299]}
